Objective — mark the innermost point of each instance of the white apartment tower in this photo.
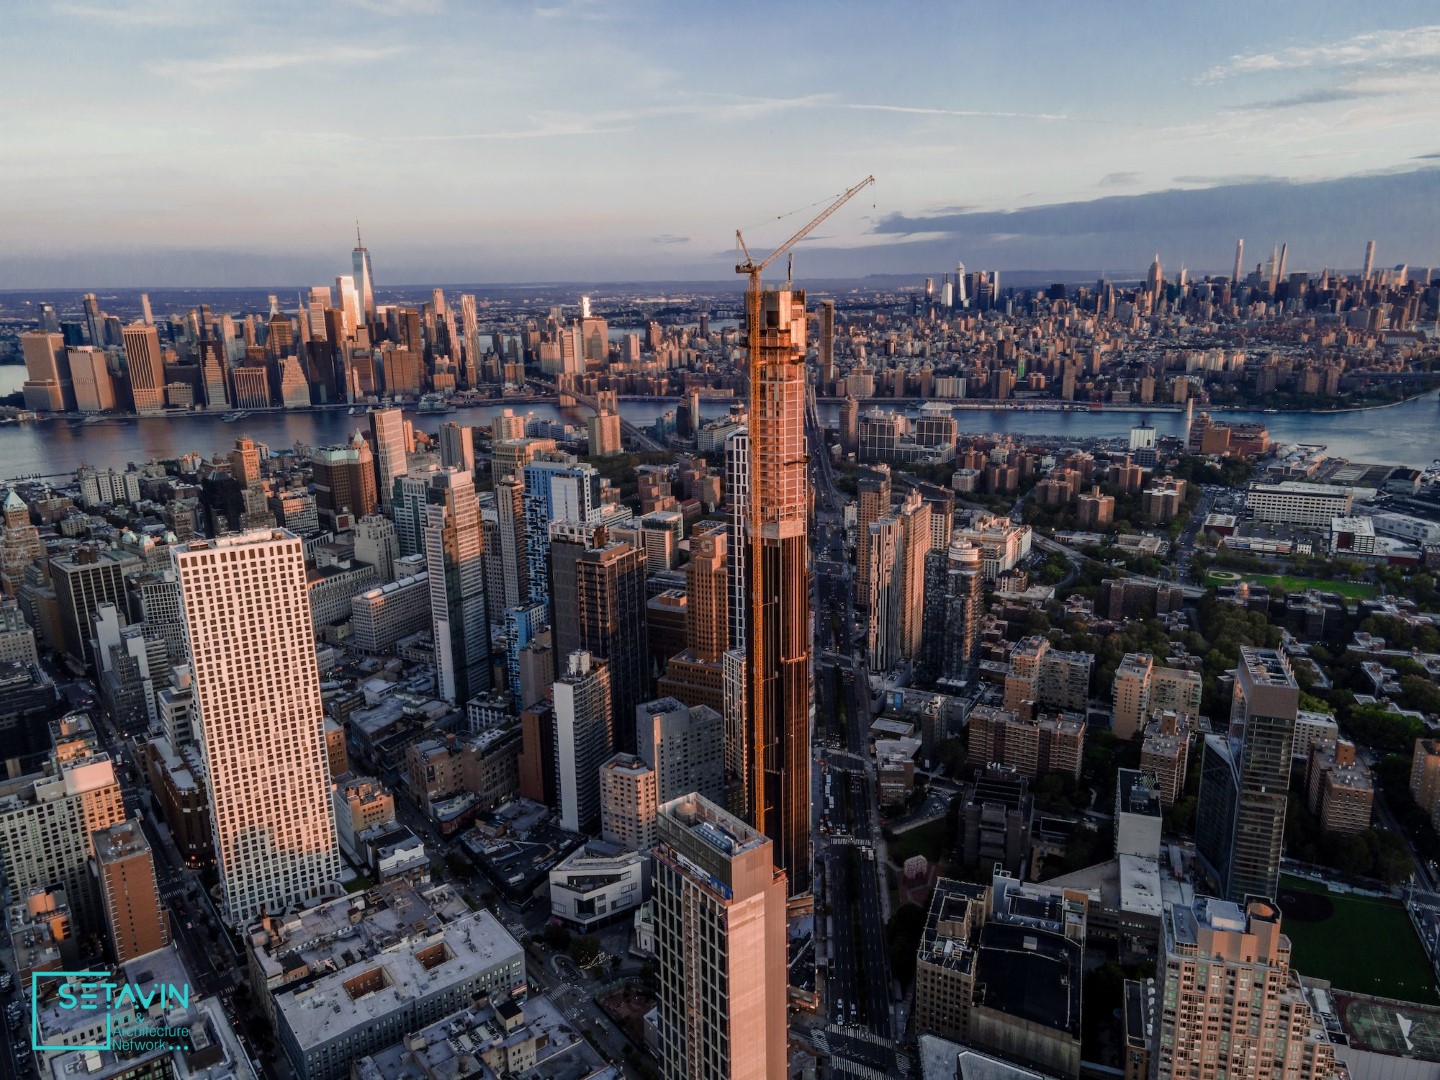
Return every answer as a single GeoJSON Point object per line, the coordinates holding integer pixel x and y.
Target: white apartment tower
{"type": "Point", "coordinates": [260, 720]}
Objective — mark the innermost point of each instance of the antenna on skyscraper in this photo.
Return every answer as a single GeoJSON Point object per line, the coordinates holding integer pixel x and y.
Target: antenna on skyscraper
{"type": "Point", "coordinates": [357, 233]}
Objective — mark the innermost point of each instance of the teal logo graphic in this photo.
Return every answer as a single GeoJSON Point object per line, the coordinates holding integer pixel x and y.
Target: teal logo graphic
{"type": "Point", "coordinates": [119, 1011]}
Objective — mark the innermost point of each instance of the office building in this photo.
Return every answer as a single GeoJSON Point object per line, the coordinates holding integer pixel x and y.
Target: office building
{"type": "Point", "coordinates": [1291, 502]}
{"type": "Point", "coordinates": [997, 815]}
{"type": "Point", "coordinates": [1232, 1005]}
{"type": "Point", "coordinates": [719, 946]}
{"type": "Point", "coordinates": [457, 451]}
{"type": "Point", "coordinates": [136, 918]}
{"type": "Point", "coordinates": [378, 544]}
{"type": "Point", "coordinates": [85, 578]}
{"type": "Point", "coordinates": [389, 447]}
{"type": "Point", "coordinates": [609, 614]}
{"type": "Point", "coordinates": [556, 488]}
{"type": "Point", "coordinates": [344, 481]}
{"type": "Point", "coordinates": [596, 884]}
{"type": "Point", "coordinates": [257, 688]}
{"type": "Point", "coordinates": [455, 563]}
{"type": "Point", "coordinates": [1245, 777]}
{"type": "Point", "coordinates": [408, 499]}
{"type": "Point", "coordinates": [1139, 814]}
{"type": "Point", "coordinates": [48, 386]}
{"type": "Point", "coordinates": [584, 738]}
{"type": "Point", "coordinates": [777, 782]}
{"type": "Point", "coordinates": [510, 549]}
{"type": "Point", "coordinates": [94, 385]}
{"type": "Point", "coordinates": [146, 367]}
{"type": "Point", "coordinates": [999, 969]}
{"type": "Point", "coordinates": [383, 616]}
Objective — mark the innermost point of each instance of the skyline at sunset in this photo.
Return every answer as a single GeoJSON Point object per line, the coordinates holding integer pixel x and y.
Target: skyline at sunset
{"type": "Point", "coordinates": [183, 143]}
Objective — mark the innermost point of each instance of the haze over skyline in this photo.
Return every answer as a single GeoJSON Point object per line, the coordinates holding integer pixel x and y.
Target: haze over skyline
{"type": "Point", "coordinates": [218, 145]}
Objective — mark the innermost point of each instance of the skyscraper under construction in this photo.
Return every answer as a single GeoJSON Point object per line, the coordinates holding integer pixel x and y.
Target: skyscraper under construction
{"type": "Point", "coordinates": [778, 676]}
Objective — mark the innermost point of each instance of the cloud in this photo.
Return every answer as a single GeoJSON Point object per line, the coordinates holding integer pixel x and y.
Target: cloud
{"type": "Point", "coordinates": [1326, 95]}
{"type": "Point", "coordinates": [141, 14]}
{"type": "Point", "coordinates": [401, 7]}
{"type": "Point", "coordinates": [1119, 179]}
{"type": "Point", "coordinates": [1326, 221]}
{"type": "Point", "coordinates": [220, 71]}
{"type": "Point", "coordinates": [588, 10]}
{"type": "Point", "coordinates": [1424, 157]}
{"type": "Point", "coordinates": [1231, 178]}
{"type": "Point", "coordinates": [1376, 47]}
{"type": "Point", "coordinates": [667, 238]}
{"type": "Point", "coordinates": [966, 114]}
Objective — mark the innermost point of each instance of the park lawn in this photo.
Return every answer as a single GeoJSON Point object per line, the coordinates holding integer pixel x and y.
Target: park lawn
{"type": "Point", "coordinates": [1352, 590]}
{"type": "Point", "coordinates": [1367, 946]}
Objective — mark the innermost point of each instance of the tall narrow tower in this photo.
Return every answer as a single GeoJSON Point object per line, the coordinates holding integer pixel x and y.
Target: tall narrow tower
{"type": "Point", "coordinates": [778, 686]}
{"type": "Point", "coordinates": [364, 282]}
{"type": "Point", "coordinates": [455, 561]}
{"type": "Point", "coordinates": [827, 343]}
{"type": "Point", "coordinates": [1369, 262]}
{"type": "Point", "coordinates": [257, 692]}
{"type": "Point", "coordinates": [1239, 259]}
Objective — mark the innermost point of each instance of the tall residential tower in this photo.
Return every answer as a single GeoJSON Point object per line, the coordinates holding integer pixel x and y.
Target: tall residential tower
{"type": "Point", "coordinates": [257, 692]}
{"type": "Point", "coordinates": [778, 661]}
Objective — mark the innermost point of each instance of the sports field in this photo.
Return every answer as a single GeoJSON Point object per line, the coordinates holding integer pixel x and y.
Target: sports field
{"type": "Point", "coordinates": [1352, 590]}
{"type": "Point", "coordinates": [1360, 943]}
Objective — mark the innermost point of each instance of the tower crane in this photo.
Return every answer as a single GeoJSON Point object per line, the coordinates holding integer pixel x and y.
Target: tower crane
{"type": "Point", "coordinates": [754, 269]}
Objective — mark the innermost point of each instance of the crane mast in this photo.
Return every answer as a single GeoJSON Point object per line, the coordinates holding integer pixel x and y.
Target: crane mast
{"type": "Point", "coordinates": [776, 725]}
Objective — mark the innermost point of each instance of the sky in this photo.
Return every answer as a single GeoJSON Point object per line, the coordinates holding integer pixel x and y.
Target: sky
{"type": "Point", "coordinates": [170, 142]}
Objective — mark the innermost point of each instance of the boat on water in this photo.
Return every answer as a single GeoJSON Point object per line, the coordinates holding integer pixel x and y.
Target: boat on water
{"type": "Point", "coordinates": [230, 418]}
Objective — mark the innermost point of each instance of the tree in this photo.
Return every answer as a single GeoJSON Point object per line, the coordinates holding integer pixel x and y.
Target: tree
{"type": "Point", "coordinates": [557, 937]}
{"type": "Point", "coordinates": [585, 949]}
{"type": "Point", "coordinates": [903, 933]}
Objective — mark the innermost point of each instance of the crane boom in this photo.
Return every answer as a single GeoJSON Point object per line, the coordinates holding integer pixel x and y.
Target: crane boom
{"type": "Point", "coordinates": [754, 269]}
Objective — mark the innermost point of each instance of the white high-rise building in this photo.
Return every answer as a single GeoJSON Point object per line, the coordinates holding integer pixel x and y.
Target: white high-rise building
{"type": "Point", "coordinates": [260, 720]}
{"type": "Point", "coordinates": [364, 281]}
{"type": "Point", "coordinates": [584, 738]}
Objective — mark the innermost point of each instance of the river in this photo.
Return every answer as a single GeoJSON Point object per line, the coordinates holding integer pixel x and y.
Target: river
{"type": "Point", "coordinates": [1405, 434]}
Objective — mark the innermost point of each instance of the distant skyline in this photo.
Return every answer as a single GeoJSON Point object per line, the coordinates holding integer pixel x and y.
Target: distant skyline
{"type": "Point", "coordinates": [164, 142]}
